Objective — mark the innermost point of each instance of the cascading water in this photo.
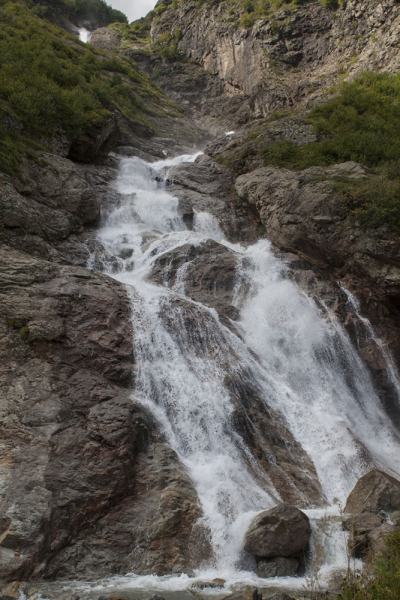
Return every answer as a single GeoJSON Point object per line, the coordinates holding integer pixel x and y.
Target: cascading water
{"type": "Point", "coordinates": [299, 359]}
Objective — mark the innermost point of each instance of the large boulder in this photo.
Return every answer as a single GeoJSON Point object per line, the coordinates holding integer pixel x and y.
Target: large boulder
{"type": "Point", "coordinates": [282, 531]}
{"type": "Point", "coordinates": [375, 492]}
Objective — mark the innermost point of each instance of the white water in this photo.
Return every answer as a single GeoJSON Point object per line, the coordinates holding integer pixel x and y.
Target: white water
{"type": "Point", "coordinates": [390, 366]}
{"type": "Point", "coordinates": [299, 359]}
{"type": "Point", "coordinates": [84, 35]}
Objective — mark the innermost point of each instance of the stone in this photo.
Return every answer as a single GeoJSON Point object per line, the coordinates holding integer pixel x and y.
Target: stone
{"type": "Point", "coordinates": [279, 596]}
{"type": "Point", "coordinates": [206, 273]}
{"type": "Point", "coordinates": [277, 567]}
{"type": "Point", "coordinates": [95, 467]}
{"type": "Point", "coordinates": [282, 531]}
{"type": "Point", "coordinates": [376, 492]}
{"type": "Point", "coordinates": [15, 589]}
{"type": "Point", "coordinates": [361, 527]}
{"type": "Point", "coordinates": [215, 583]}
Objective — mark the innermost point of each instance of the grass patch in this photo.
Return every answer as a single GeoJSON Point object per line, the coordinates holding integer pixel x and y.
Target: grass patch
{"type": "Point", "coordinates": [361, 124]}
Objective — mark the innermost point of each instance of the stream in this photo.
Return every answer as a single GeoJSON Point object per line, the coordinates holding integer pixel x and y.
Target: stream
{"type": "Point", "coordinates": [295, 355]}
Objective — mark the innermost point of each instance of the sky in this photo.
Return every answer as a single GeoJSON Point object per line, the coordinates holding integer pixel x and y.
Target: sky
{"type": "Point", "coordinates": [134, 9]}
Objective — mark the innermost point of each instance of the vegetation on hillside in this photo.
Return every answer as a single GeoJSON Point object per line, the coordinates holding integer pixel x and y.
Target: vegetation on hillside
{"type": "Point", "coordinates": [51, 83]}
{"type": "Point", "coordinates": [97, 10]}
{"type": "Point", "coordinates": [244, 13]}
{"type": "Point", "coordinates": [384, 584]}
{"type": "Point", "coordinates": [361, 124]}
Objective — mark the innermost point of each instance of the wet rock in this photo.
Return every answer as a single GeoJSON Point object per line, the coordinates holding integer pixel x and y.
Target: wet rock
{"type": "Point", "coordinates": [360, 527]}
{"type": "Point", "coordinates": [15, 589]}
{"type": "Point", "coordinates": [376, 492]}
{"type": "Point", "coordinates": [205, 272]}
{"type": "Point", "coordinates": [277, 567]}
{"type": "Point", "coordinates": [84, 466]}
{"type": "Point", "coordinates": [282, 531]}
{"type": "Point", "coordinates": [206, 186]}
{"type": "Point", "coordinates": [279, 596]}
{"type": "Point", "coordinates": [302, 214]}
{"type": "Point", "coordinates": [215, 583]}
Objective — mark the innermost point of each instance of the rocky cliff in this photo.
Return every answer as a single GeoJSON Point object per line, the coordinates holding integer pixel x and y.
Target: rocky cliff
{"type": "Point", "coordinates": [232, 68]}
{"type": "Point", "coordinates": [90, 486]}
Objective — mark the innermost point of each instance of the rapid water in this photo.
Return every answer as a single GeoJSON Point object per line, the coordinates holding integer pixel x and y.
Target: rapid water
{"type": "Point", "coordinates": [297, 357]}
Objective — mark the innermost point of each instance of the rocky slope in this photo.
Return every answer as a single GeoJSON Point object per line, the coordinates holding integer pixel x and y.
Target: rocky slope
{"type": "Point", "coordinates": [89, 485]}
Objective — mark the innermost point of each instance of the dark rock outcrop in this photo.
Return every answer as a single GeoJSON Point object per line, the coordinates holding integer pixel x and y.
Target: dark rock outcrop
{"type": "Point", "coordinates": [277, 567]}
{"type": "Point", "coordinates": [208, 187]}
{"type": "Point", "coordinates": [376, 492]}
{"type": "Point", "coordinates": [282, 531]}
{"type": "Point", "coordinates": [84, 466]}
{"type": "Point", "coordinates": [375, 496]}
{"type": "Point", "coordinates": [208, 277]}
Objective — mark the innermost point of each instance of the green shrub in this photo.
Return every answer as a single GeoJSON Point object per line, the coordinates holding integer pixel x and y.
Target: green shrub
{"type": "Point", "coordinates": [51, 82]}
{"type": "Point", "coordinates": [80, 9]}
{"type": "Point", "coordinates": [160, 9]}
{"type": "Point", "coordinates": [361, 124]}
{"type": "Point", "coordinates": [247, 20]}
{"type": "Point", "coordinates": [384, 584]}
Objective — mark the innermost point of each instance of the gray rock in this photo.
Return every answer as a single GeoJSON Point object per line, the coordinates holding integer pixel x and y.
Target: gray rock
{"type": "Point", "coordinates": [84, 466]}
{"type": "Point", "coordinates": [277, 567]}
{"type": "Point", "coordinates": [282, 531]}
{"type": "Point", "coordinates": [376, 492]}
{"type": "Point", "coordinates": [206, 273]}
{"type": "Point", "coordinates": [360, 527]}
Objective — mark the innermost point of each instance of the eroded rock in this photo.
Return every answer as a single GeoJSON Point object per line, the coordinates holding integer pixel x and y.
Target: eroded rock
{"type": "Point", "coordinates": [282, 531]}
{"type": "Point", "coordinates": [277, 567]}
{"type": "Point", "coordinates": [205, 272]}
{"type": "Point", "coordinates": [83, 465]}
{"type": "Point", "coordinates": [376, 492]}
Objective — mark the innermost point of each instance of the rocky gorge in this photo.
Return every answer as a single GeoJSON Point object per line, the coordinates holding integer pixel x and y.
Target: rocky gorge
{"type": "Point", "coordinates": [179, 396]}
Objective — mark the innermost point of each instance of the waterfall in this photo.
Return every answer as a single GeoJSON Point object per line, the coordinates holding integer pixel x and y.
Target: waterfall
{"type": "Point", "coordinates": [84, 35]}
{"type": "Point", "coordinates": [296, 356]}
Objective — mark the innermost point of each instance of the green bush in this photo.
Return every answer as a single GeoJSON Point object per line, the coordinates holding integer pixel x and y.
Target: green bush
{"type": "Point", "coordinates": [51, 82]}
{"type": "Point", "coordinates": [80, 9]}
{"type": "Point", "coordinates": [361, 124]}
{"type": "Point", "coordinates": [385, 581]}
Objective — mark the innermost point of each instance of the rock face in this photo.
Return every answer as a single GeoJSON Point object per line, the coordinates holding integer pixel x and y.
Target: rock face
{"type": "Point", "coordinates": [376, 492]}
{"type": "Point", "coordinates": [277, 567]}
{"type": "Point", "coordinates": [209, 277]}
{"type": "Point", "coordinates": [289, 58]}
{"type": "Point", "coordinates": [82, 462]}
{"type": "Point", "coordinates": [282, 531]}
{"type": "Point", "coordinates": [206, 186]}
{"type": "Point", "coordinates": [301, 213]}
{"type": "Point", "coordinates": [375, 497]}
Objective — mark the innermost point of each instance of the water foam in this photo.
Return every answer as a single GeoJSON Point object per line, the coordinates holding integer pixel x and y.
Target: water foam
{"type": "Point", "coordinates": [299, 358]}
